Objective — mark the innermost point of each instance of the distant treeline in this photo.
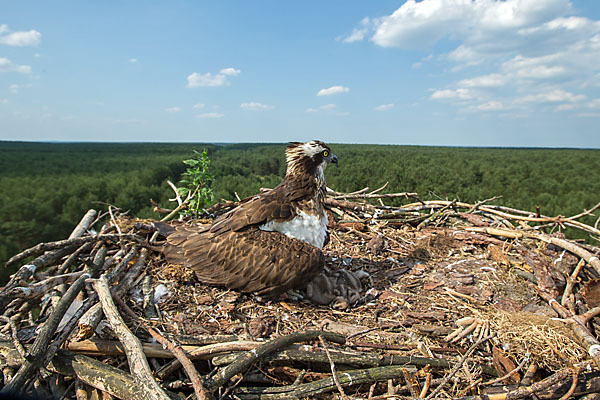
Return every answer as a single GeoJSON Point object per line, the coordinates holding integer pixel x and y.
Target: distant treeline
{"type": "Point", "coordinates": [45, 188]}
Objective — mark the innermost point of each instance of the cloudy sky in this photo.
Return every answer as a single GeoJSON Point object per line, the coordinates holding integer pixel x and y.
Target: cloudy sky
{"type": "Point", "coordinates": [430, 72]}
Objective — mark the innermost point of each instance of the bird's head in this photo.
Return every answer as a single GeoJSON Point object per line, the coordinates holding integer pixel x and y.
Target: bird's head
{"type": "Point", "coordinates": [308, 158]}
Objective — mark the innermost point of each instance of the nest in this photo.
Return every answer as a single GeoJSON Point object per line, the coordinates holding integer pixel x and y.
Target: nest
{"type": "Point", "coordinates": [455, 300]}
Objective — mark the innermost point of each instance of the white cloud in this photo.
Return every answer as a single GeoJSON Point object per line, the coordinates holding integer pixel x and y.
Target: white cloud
{"type": "Point", "coordinates": [329, 109]}
{"type": "Point", "coordinates": [333, 90]}
{"type": "Point", "coordinates": [491, 80]}
{"type": "Point", "coordinates": [491, 106]}
{"type": "Point", "coordinates": [199, 106]}
{"type": "Point", "coordinates": [196, 79]}
{"type": "Point", "coordinates": [254, 106]}
{"type": "Point", "coordinates": [133, 60]}
{"type": "Point", "coordinates": [8, 66]}
{"type": "Point", "coordinates": [19, 38]}
{"type": "Point", "coordinates": [14, 88]}
{"type": "Point", "coordinates": [384, 107]}
{"type": "Point", "coordinates": [173, 110]}
{"type": "Point", "coordinates": [476, 23]}
{"type": "Point", "coordinates": [588, 115]}
{"type": "Point", "coordinates": [210, 115]}
{"type": "Point", "coordinates": [230, 71]}
{"type": "Point", "coordinates": [553, 96]}
{"type": "Point", "coordinates": [461, 94]}
{"type": "Point", "coordinates": [565, 107]}
{"type": "Point", "coordinates": [512, 54]}
{"type": "Point", "coordinates": [595, 103]}
{"type": "Point", "coordinates": [360, 33]}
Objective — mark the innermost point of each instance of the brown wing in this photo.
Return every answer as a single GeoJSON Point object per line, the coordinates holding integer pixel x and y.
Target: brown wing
{"type": "Point", "coordinates": [267, 263]}
{"type": "Point", "coordinates": [276, 204]}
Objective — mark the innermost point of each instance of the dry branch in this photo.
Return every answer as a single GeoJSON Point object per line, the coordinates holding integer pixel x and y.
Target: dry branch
{"type": "Point", "coordinates": [243, 361]}
{"type": "Point", "coordinates": [84, 224]}
{"type": "Point", "coordinates": [75, 242]}
{"type": "Point", "coordinates": [38, 350]}
{"type": "Point", "coordinates": [189, 368]}
{"type": "Point", "coordinates": [312, 389]}
{"type": "Point", "coordinates": [138, 364]}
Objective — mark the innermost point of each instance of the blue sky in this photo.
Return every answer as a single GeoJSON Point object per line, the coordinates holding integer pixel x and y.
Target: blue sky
{"type": "Point", "coordinates": [431, 72]}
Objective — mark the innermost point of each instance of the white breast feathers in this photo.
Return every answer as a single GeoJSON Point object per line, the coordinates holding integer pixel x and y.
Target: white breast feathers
{"type": "Point", "coordinates": [308, 228]}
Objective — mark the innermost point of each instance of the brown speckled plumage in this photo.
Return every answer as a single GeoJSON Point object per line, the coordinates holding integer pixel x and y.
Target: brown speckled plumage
{"type": "Point", "coordinates": [234, 252]}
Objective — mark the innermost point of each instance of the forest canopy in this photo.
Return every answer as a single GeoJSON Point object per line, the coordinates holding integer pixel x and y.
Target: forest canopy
{"type": "Point", "coordinates": [45, 188]}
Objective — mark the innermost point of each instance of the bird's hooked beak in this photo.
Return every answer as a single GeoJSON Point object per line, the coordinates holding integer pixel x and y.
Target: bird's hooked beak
{"type": "Point", "coordinates": [332, 158]}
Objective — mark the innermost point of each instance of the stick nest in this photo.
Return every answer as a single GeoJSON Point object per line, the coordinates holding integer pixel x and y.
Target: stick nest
{"type": "Point", "coordinates": [456, 299]}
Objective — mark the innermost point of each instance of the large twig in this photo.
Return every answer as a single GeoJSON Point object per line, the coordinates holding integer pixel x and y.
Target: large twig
{"type": "Point", "coordinates": [36, 357]}
{"type": "Point", "coordinates": [14, 331]}
{"type": "Point", "coordinates": [589, 341]}
{"type": "Point", "coordinates": [138, 364]}
{"type": "Point", "coordinates": [89, 371]}
{"type": "Point", "coordinates": [243, 361]}
{"type": "Point", "coordinates": [177, 351]}
{"type": "Point", "coordinates": [374, 195]}
{"type": "Point", "coordinates": [90, 320]}
{"type": "Point", "coordinates": [68, 328]}
{"type": "Point", "coordinates": [42, 247]}
{"type": "Point", "coordinates": [334, 374]}
{"type": "Point", "coordinates": [573, 248]}
{"type": "Point", "coordinates": [38, 289]}
{"type": "Point", "coordinates": [84, 224]}
{"type": "Point", "coordinates": [322, 386]}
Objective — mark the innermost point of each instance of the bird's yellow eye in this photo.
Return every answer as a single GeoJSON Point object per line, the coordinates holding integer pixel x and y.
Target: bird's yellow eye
{"type": "Point", "coordinates": [325, 153]}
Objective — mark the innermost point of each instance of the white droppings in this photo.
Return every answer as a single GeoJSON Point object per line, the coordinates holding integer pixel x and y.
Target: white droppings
{"type": "Point", "coordinates": [159, 292]}
{"type": "Point", "coordinates": [594, 349]}
{"type": "Point", "coordinates": [559, 259]}
{"type": "Point", "coordinates": [455, 263]}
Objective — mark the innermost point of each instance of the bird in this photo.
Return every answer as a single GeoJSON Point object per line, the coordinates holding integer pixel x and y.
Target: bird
{"type": "Point", "coordinates": [271, 242]}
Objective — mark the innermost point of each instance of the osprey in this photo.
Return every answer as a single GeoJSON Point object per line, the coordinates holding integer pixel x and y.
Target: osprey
{"type": "Point", "coordinates": [271, 242]}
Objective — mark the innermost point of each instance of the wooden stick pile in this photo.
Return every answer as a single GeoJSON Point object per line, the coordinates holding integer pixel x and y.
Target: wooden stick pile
{"type": "Point", "coordinates": [80, 320]}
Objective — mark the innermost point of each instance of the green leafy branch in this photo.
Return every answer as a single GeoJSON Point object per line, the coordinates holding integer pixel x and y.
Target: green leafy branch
{"type": "Point", "coordinates": [195, 186]}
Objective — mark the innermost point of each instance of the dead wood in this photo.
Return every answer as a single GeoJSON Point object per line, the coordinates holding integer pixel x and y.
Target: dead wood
{"type": "Point", "coordinates": [243, 361]}
{"type": "Point", "coordinates": [38, 289]}
{"type": "Point", "coordinates": [92, 318]}
{"type": "Point", "coordinates": [312, 389]}
{"type": "Point", "coordinates": [72, 243]}
{"type": "Point", "coordinates": [36, 356]}
{"type": "Point", "coordinates": [177, 351]}
{"type": "Point", "coordinates": [84, 224]}
{"type": "Point", "coordinates": [138, 364]}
